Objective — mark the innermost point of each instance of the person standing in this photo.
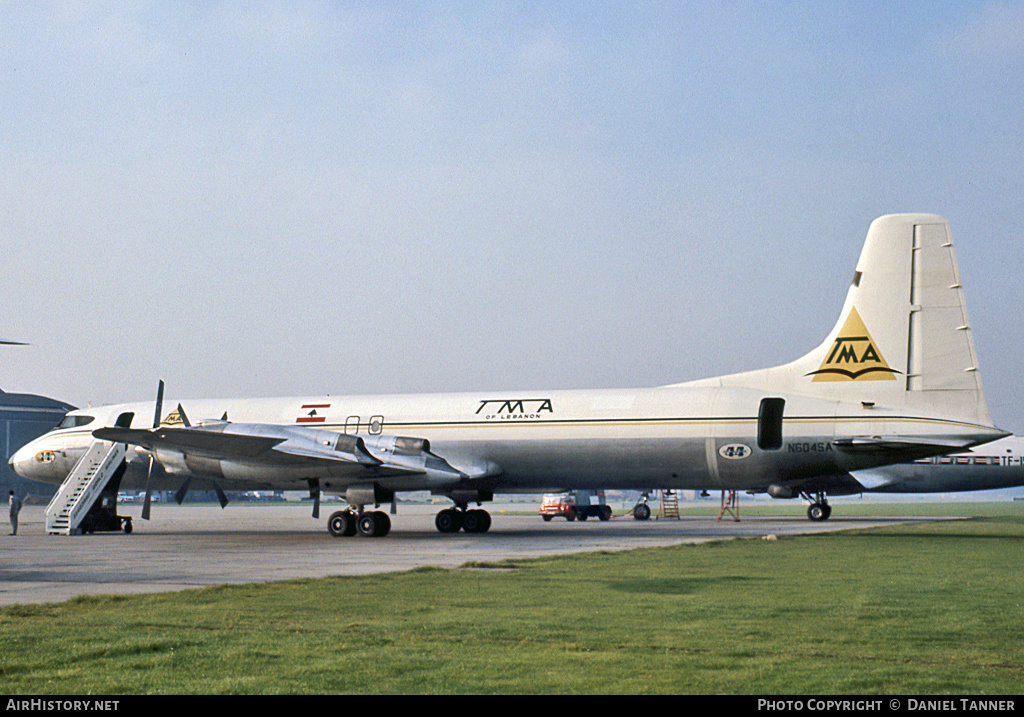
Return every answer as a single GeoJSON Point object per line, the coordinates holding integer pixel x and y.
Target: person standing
{"type": "Point", "coordinates": [15, 503]}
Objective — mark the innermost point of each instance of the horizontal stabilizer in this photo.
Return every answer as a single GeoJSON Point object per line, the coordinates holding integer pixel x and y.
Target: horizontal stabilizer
{"type": "Point", "coordinates": [921, 447]}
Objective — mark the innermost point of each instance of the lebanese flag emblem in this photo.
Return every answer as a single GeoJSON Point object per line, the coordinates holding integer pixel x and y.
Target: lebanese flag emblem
{"type": "Point", "coordinates": [313, 413]}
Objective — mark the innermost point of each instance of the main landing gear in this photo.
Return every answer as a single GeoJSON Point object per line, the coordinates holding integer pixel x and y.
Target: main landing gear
{"type": "Point", "coordinates": [370, 524]}
{"type": "Point", "coordinates": [819, 508]}
{"type": "Point", "coordinates": [377, 523]}
{"type": "Point", "coordinates": [452, 520]}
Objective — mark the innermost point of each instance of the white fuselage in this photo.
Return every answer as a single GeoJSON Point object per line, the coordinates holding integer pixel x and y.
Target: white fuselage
{"type": "Point", "coordinates": [684, 436]}
{"type": "Point", "coordinates": [895, 380]}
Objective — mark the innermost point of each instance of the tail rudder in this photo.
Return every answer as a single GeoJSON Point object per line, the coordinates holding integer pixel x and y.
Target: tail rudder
{"type": "Point", "coordinates": [903, 338]}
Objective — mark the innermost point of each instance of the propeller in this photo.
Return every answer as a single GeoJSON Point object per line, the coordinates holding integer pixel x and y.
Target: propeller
{"type": "Point", "coordinates": [179, 495]}
{"type": "Point", "coordinates": [222, 497]}
{"type": "Point", "coordinates": [149, 474]}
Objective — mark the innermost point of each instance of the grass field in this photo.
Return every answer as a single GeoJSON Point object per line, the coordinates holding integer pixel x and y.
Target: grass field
{"type": "Point", "coordinates": [925, 609]}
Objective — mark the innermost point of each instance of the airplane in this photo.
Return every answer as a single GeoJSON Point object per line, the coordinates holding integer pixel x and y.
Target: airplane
{"type": "Point", "coordinates": [895, 380]}
{"type": "Point", "coordinates": [999, 464]}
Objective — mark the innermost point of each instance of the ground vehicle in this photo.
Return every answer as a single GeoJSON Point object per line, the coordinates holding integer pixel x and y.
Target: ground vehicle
{"type": "Point", "coordinates": [575, 505]}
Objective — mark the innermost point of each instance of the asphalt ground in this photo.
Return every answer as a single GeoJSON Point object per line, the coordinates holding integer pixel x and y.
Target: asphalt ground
{"type": "Point", "coordinates": [185, 547]}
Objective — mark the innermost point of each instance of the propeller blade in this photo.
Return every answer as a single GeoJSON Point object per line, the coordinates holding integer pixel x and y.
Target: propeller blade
{"type": "Point", "coordinates": [149, 491]}
{"type": "Point", "coordinates": [314, 493]}
{"type": "Point", "coordinates": [148, 501]}
{"type": "Point", "coordinates": [159, 404]}
{"type": "Point", "coordinates": [180, 495]}
{"type": "Point", "coordinates": [221, 495]}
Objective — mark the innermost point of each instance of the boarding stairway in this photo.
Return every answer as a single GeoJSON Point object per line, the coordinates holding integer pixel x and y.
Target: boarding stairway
{"type": "Point", "coordinates": [83, 490]}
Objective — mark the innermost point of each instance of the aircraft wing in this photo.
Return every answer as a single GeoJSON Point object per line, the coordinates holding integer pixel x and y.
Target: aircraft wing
{"type": "Point", "coordinates": [269, 444]}
{"type": "Point", "coordinates": [213, 443]}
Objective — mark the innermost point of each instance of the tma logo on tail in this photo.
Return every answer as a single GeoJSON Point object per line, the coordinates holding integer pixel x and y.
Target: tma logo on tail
{"type": "Point", "coordinates": [853, 356]}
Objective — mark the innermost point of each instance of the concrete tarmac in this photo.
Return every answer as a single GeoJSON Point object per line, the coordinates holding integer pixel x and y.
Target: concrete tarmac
{"type": "Point", "coordinates": [186, 547]}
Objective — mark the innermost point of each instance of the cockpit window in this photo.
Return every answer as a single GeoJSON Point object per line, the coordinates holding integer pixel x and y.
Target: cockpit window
{"type": "Point", "coordinates": [75, 421]}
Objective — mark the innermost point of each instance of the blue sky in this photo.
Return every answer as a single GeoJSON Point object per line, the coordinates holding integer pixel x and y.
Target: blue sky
{"type": "Point", "coordinates": [248, 198]}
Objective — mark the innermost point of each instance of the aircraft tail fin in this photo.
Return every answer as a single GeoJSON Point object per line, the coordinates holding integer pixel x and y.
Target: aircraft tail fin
{"type": "Point", "coordinates": [903, 338]}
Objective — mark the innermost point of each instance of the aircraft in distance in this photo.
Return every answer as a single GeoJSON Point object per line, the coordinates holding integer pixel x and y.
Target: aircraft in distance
{"type": "Point", "coordinates": [895, 380]}
{"type": "Point", "coordinates": [999, 464]}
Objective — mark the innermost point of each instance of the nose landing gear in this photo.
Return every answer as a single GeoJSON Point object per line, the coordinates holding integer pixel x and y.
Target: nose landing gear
{"type": "Point", "coordinates": [819, 508]}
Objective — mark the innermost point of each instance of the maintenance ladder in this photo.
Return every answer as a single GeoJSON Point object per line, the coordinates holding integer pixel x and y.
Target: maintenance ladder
{"type": "Point", "coordinates": [669, 504]}
{"type": "Point", "coordinates": [730, 505]}
{"type": "Point", "coordinates": [83, 487]}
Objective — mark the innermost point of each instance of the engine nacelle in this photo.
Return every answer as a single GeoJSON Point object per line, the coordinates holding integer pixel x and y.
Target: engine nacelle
{"type": "Point", "coordinates": [462, 496]}
{"type": "Point", "coordinates": [781, 491]}
{"type": "Point", "coordinates": [368, 494]}
{"type": "Point", "coordinates": [397, 445]}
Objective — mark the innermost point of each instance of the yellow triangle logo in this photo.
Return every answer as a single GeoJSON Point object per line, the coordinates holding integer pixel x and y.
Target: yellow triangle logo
{"type": "Point", "coordinates": [174, 418]}
{"type": "Point", "coordinates": [853, 356]}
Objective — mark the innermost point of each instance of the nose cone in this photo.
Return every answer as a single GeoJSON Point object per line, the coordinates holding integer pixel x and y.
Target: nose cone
{"type": "Point", "coordinates": [30, 461]}
{"type": "Point", "coordinates": [17, 461]}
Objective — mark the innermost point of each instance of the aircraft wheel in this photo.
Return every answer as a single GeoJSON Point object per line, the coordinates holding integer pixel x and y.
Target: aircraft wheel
{"type": "Point", "coordinates": [641, 512]}
{"type": "Point", "coordinates": [341, 524]}
{"type": "Point", "coordinates": [818, 511]}
{"type": "Point", "coordinates": [476, 521]}
{"type": "Point", "coordinates": [448, 520]}
{"type": "Point", "coordinates": [373, 524]}
{"type": "Point", "coordinates": [382, 524]}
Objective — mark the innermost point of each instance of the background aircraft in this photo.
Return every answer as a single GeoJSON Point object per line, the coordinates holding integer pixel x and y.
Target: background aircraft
{"type": "Point", "coordinates": [895, 380]}
{"type": "Point", "coordinates": [999, 464]}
